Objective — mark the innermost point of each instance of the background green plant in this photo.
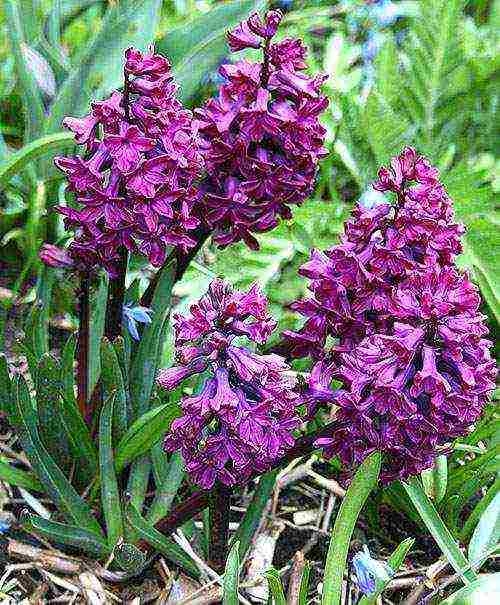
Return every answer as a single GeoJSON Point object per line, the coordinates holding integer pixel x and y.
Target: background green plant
{"type": "Point", "coordinates": [433, 84]}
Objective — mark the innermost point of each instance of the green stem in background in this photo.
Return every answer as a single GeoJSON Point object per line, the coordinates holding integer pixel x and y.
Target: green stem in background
{"type": "Point", "coordinates": [116, 296]}
{"type": "Point", "coordinates": [364, 481]}
{"type": "Point", "coordinates": [83, 344]}
{"type": "Point", "coordinates": [219, 503]}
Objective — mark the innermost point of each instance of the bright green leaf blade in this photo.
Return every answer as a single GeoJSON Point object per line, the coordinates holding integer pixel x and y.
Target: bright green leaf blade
{"type": "Point", "coordinates": [231, 577]}
{"type": "Point", "coordinates": [18, 161]}
{"type": "Point", "coordinates": [50, 475]}
{"type": "Point", "coordinates": [276, 586]}
{"type": "Point", "coordinates": [395, 561]}
{"type": "Point", "coordinates": [363, 482]}
{"type": "Point", "coordinates": [31, 95]}
{"type": "Point", "coordinates": [253, 515]}
{"type": "Point", "coordinates": [67, 535]}
{"type": "Point", "coordinates": [435, 479]}
{"type": "Point", "coordinates": [110, 495]}
{"type": "Point", "coordinates": [145, 362]}
{"type": "Point", "coordinates": [478, 510]}
{"type": "Point", "coordinates": [67, 370]}
{"type": "Point", "coordinates": [304, 584]}
{"type": "Point", "coordinates": [15, 476]}
{"type": "Point", "coordinates": [144, 433]}
{"type": "Point", "coordinates": [169, 549]}
{"type": "Point", "coordinates": [112, 381]}
{"type": "Point", "coordinates": [484, 591]}
{"type": "Point", "coordinates": [97, 319]}
{"type": "Point", "coordinates": [170, 483]}
{"type": "Point", "coordinates": [486, 536]}
{"type": "Point", "coordinates": [126, 23]}
{"type": "Point", "coordinates": [438, 530]}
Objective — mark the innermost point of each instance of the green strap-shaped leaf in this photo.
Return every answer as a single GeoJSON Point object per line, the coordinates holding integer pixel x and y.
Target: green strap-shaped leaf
{"type": "Point", "coordinates": [253, 515]}
{"type": "Point", "coordinates": [144, 433]}
{"type": "Point", "coordinates": [170, 481]}
{"type": "Point", "coordinates": [67, 535]}
{"type": "Point", "coordinates": [363, 482]}
{"type": "Point", "coordinates": [144, 363]}
{"type": "Point", "coordinates": [97, 319]}
{"type": "Point", "coordinates": [479, 509]}
{"type": "Point", "coordinates": [169, 549]}
{"type": "Point", "coordinates": [232, 576]}
{"type": "Point", "coordinates": [304, 584]}
{"type": "Point", "coordinates": [32, 98]}
{"type": "Point", "coordinates": [438, 530]}
{"type": "Point", "coordinates": [126, 23]}
{"type": "Point", "coordinates": [6, 402]}
{"type": "Point", "coordinates": [435, 479]}
{"type": "Point", "coordinates": [50, 475]}
{"type": "Point", "coordinates": [110, 495]}
{"type": "Point", "coordinates": [15, 476]}
{"type": "Point", "coordinates": [486, 536]}
{"type": "Point", "coordinates": [17, 161]}
{"type": "Point", "coordinates": [276, 586]}
{"type": "Point", "coordinates": [395, 561]}
{"type": "Point", "coordinates": [485, 590]}
{"type": "Point", "coordinates": [112, 381]}
{"type": "Point", "coordinates": [48, 389]}
{"type": "Point", "coordinates": [81, 444]}
{"type": "Point", "coordinates": [67, 370]}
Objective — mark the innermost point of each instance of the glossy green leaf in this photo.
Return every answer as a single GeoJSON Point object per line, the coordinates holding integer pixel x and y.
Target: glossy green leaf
{"type": "Point", "coordinates": [138, 481]}
{"type": "Point", "coordinates": [395, 561]}
{"type": "Point", "coordinates": [144, 433]}
{"type": "Point", "coordinates": [170, 481]}
{"type": "Point", "coordinates": [169, 549]}
{"type": "Point", "coordinates": [50, 475]}
{"type": "Point", "coordinates": [145, 361]}
{"type": "Point", "coordinates": [18, 161]}
{"type": "Point", "coordinates": [363, 482]}
{"type": "Point", "coordinates": [486, 536]}
{"type": "Point", "coordinates": [15, 476]}
{"type": "Point", "coordinates": [253, 514]}
{"type": "Point", "coordinates": [6, 402]}
{"type": "Point", "coordinates": [31, 95]}
{"type": "Point", "coordinates": [81, 444]}
{"type": "Point", "coordinates": [126, 23]}
{"type": "Point", "coordinates": [478, 510]}
{"type": "Point", "coordinates": [484, 591]}
{"type": "Point", "coordinates": [231, 576]}
{"type": "Point", "coordinates": [110, 495]}
{"type": "Point", "coordinates": [48, 389]}
{"type": "Point", "coordinates": [112, 381]}
{"type": "Point", "coordinates": [438, 530]}
{"type": "Point", "coordinates": [97, 319]}
{"type": "Point", "coordinates": [73, 536]}
{"type": "Point", "coordinates": [435, 479]}
{"type": "Point", "coordinates": [275, 586]}
{"type": "Point", "coordinates": [67, 370]}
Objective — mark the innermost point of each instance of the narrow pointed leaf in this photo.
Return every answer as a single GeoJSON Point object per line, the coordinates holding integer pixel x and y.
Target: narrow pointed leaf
{"type": "Point", "coordinates": [486, 536]}
{"type": "Point", "coordinates": [232, 576]}
{"type": "Point", "coordinates": [112, 381]}
{"type": "Point", "coordinates": [110, 496]}
{"type": "Point", "coordinates": [363, 482]}
{"type": "Point", "coordinates": [15, 476]}
{"type": "Point", "coordinates": [170, 481]}
{"type": "Point", "coordinates": [5, 386]}
{"type": "Point", "coordinates": [169, 549]}
{"type": "Point", "coordinates": [67, 370]}
{"type": "Point", "coordinates": [276, 586]}
{"type": "Point", "coordinates": [435, 479]}
{"type": "Point", "coordinates": [438, 530]}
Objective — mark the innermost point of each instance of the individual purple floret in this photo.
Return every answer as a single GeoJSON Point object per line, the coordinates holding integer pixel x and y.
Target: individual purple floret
{"type": "Point", "coordinates": [135, 184]}
{"type": "Point", "coordinates": [243, 416]}
{"type": "Point", "coordinates": [411, 351]}
{"type": "Point", "coordinates": [261, 138]}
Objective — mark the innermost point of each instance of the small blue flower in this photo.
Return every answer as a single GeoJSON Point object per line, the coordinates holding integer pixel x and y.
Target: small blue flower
{"type": "Point", "coordinates": [369, 571]}
{"type": "Point", "coordinates": [133, 315]}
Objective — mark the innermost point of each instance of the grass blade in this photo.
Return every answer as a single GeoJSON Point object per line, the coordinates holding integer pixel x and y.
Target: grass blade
{"type": "Point", "coordinates": [231, 577]}
{"type": "Point", "coordinates": [276, 586]}
{"type": "Point", "coordinates": [438, 530]}
{"type": "Point", "coordinates": [363, 482]}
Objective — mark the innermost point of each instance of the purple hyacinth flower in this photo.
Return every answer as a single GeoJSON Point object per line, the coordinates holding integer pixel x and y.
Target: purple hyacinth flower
{"type": "Point", "coordinates": [244, 415]}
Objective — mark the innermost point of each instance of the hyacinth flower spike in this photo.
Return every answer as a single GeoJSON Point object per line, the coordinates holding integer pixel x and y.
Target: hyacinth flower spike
{"type": "Point", "coordinates": [260, 137]}
{"type": "Point", "coordinates": [412, 352]}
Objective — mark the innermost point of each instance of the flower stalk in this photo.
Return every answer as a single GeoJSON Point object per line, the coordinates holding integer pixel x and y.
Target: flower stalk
{"type": "Point", "coordinates": [219, 506]}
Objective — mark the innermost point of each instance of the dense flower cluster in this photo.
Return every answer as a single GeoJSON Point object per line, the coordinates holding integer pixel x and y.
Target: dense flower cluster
{"type": "Point", "coordinates": [410, 351]}
{"type": "Point", "coordinates": [261, 138]}
{"type": "Point", "coordinates": [243, 417]}
{"type": "Point", "coordinates": [135, 187]}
